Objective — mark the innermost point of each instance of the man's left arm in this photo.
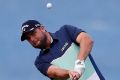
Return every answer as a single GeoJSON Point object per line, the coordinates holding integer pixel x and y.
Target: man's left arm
{"type": "Point", "coordinates": [85, 42]}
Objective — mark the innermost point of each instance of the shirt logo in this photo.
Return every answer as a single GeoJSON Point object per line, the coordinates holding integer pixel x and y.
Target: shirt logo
{"type": "Point", "coordinates": [24, 27]}
{"type": "Point", "coordinates": [65, 45]}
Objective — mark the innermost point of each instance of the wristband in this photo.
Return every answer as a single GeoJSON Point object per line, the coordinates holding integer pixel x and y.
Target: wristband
{"type": "Point", "coordinates": [79, 66]}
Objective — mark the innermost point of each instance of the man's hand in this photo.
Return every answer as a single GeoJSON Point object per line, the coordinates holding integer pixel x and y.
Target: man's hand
{"type": "Point", "coordinates": [74, 75]}
{"type": "Point", "coordinates": [79, 66]}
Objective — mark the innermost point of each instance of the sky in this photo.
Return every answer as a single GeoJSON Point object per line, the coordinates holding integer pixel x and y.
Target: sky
{"type": "Point", "coordinates": [99, 18]}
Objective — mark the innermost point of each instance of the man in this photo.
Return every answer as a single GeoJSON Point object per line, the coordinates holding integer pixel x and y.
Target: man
{"type": "Point", "coordinates": [54, 45]}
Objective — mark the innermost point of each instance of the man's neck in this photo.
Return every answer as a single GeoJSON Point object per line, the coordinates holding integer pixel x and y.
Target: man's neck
{"type": "Point", "coordinates": [49, 41]}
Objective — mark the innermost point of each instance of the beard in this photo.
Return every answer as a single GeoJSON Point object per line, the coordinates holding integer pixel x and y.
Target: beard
{"type": "Point", "coordinates": [43, 42]}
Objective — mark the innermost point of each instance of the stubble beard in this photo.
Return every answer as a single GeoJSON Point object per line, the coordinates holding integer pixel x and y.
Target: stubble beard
{"type": "Point", "coordinates": [43, 42]}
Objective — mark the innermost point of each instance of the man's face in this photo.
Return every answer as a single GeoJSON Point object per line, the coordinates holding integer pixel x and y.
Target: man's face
{"type": "Point", "coordinates": [37, 38]}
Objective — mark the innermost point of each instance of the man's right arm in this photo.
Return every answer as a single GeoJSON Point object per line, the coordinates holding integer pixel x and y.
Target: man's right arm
{"type": "Point", "coordinates": [57, 72]}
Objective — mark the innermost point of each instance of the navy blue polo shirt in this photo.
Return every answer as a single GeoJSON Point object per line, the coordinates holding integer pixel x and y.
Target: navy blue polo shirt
{"type": "Point", "coordinates": [62, 39]}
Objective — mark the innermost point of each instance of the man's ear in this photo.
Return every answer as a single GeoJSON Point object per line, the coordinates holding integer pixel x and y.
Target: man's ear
{"type": "Point", "coordinates": [42, 28]}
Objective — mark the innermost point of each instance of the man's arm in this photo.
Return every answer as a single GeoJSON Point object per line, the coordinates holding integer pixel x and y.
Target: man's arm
{"type": "Point", "coordinates": [86, 43]}
{"type": "Point", "coordinates": [56, 72]}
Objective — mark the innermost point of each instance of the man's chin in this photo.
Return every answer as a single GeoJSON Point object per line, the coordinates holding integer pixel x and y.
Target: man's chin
{"type": "Point", "coordinates": [38, 47]}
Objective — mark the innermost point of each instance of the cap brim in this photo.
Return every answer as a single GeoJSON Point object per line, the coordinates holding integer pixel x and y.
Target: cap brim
{"type": "Point", "coordinates": [23, 37]}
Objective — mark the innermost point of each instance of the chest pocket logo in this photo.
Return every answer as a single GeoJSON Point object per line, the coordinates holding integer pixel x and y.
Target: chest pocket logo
{"type": "Point", "coordinates": [65, 45]}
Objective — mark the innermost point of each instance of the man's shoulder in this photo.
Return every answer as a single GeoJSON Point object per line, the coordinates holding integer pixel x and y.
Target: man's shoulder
{"type": "Point", "coordinates": [39, 57]}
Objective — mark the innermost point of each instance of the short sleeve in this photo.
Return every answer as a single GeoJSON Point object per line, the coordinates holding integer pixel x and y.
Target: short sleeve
{"type": "Point", "coordinates": [42, 65]}
{"type": "Point", "coordinates": [73, 31]}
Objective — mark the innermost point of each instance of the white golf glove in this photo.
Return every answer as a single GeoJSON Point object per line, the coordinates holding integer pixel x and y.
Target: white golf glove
{"type": "Point", "coordinates": [79, 66]}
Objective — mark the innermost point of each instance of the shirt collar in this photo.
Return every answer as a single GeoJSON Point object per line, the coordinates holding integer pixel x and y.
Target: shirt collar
{"type": "Point", "coordinates": [53, 36]}
{"type": "Point", "coordinates": [51, 39]}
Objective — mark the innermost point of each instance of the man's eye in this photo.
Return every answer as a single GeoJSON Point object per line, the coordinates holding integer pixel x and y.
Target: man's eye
{"type": "Point", "coordinates": [33, 33]}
